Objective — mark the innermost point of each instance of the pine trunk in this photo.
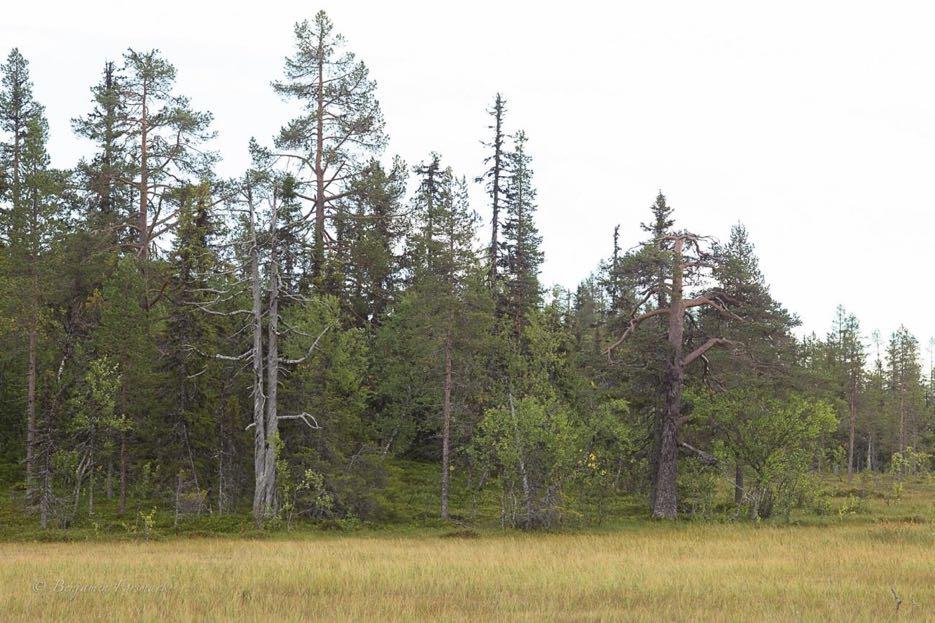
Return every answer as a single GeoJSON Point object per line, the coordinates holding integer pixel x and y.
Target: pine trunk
{"type": "Point", "coordinates": [738, 485]}
{"type": "Point", "coordinates": [31, 409]}
{"type": "Point", "coordinates": [665, 503]}
{"type": "Point", "coordinates": [851, 436]}
{"type": "Point", "coordinates": [446, 426]}
{"type": "Point", "coordinates": [144, 178]}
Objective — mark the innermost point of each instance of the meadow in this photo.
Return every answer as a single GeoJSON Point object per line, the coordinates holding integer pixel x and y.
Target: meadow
{"type": "Point", "coordinates": [655, 572]}
{"type": "Point", "coordinates": [870, 561]}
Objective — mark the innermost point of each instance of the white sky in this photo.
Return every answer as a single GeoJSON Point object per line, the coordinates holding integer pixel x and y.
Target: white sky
{"type": "Point", "coordinates": [811, 122]}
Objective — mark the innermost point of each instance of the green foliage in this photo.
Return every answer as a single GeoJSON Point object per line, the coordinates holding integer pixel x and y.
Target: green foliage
{"type": "Point", "coordinates": [910, 463]}
{"type": "Point", "coordinates": [96, 410]}
{"type": "Point", "coordinates": [302, 497]}
{"type": "Point", "coordinates": [535, 450]}
{"type": "Point", "coordinates": [148, 306]}
{"type": "Point", "coordinates": [776, 438]}
{"type": "Point", "coordinates": [698, 488]}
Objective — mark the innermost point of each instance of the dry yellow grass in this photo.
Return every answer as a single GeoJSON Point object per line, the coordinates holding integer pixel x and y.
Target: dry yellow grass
{"type": "Point", "coordinates": [656, 572]}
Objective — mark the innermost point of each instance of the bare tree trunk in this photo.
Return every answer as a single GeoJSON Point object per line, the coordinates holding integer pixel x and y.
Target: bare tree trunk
{"type": "Point", "coordinates": [318, 251]}
{"type": "Point", "coordinates": [91, 483]}
{"type": "Point", "coordinates": [870, 452]}
{"type": "Point", "coordinates": [654, 454]}
{"type": "Point", "coordinates": [272, 373]}
{"type": "Point", "coordinates": [446, 425]}
{"type": "Point", "coordinates": [665, 504]}
{"type": "Point", "coordinates": [221, 435]}
{"type": "Point", "coordinates": [178, 497]}
{"type": "Point", "coordinates": [259, 398]}
{"type": "Point", "coordinates": [527, 496]}
{"type": "Point", "coordinates": [495, 217]}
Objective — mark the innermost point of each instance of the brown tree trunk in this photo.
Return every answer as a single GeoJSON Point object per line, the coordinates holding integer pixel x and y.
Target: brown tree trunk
{"type": "Point", "coordinates": [122, 504]}
{"type": "Point", "coordinates": [665, 503]}
{"type": "Point", "coordinates": [144, 179]}
{"type": "Point", "coordinates": [446, 426]}
{"type": "Point", "coordinates": [851, 436]}
{"type": "Point", "coordinates": [32, 357]}
{"type": "Point", "coordinates": [738, 485]}
{"type": "Point", "coordinates": [902, 423]}
{"type": "Point", "coordinates": [109, 482]}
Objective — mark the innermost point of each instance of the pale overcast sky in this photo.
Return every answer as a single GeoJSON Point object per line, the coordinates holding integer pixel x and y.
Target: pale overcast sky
{"type": "Point", "coordinates": [811, 122]}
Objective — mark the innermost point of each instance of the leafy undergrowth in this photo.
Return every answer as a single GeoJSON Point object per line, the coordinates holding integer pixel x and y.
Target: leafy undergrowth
{"type": "Point", "coordinates": [409, 506]}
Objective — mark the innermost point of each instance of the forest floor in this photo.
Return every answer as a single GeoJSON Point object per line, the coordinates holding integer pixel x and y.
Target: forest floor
{"type": "Point", "coordinates": [866, 561]}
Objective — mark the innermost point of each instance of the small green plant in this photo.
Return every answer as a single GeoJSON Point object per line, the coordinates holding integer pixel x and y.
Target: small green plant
{"type": "Point", "coordinates": [897, 493]}
{"type": "Point", "coordinates": [851, 506]}
{"type": "Point", "coordinates": [349, 523]}
{"type": "Point", "coordinates": [910, 463]}
{"type": "Point", "coordinates": [147, 523]}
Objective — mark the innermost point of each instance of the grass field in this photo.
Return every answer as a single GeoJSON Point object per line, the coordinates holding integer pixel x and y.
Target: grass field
{"type": "Point", "coordinates": [654, 572]}
{"type": "Point", "coordinates": [869, 557]}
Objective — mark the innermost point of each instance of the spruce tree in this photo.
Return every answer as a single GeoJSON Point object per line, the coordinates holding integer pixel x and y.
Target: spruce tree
{"type": "Point", "coordinates": [105, 174]}
{"type": "Point", "coordinates": [442, 320]}
{"type": "Point", "coordinates": [495, 179]}
{"type": "Point", "coordinates": [521, 239]}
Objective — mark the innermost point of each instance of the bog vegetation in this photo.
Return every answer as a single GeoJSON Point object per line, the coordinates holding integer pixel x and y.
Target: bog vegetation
{"type": "Point", "coordinates": [323, 340]}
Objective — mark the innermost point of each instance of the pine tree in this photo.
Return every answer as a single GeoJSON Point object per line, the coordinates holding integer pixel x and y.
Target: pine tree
{"type": "Point", "coordinates": [163, 136]}
{"type": "Point", "coordinates": [904, 384]}
{"type": "Point", "coordinates": [31, 225]}
{"type": "Point", "coordinates": [758, 324]}
{"type": "Point", "coordinates": [848, 358]}
{"type": "Point", "coordinates": [659, 228]}
{"type": "Point", "coordinates": [340, 124]}
{"type": "Point", "coordinates": [17, 108]}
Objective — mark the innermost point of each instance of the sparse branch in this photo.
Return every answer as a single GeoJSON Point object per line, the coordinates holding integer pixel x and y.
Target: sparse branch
{"type": "Point", "coordinates": [701, 350]}
{"type": "Point", "coordinates": [308, 418]}
{"type": "Point", "coordinates": [311, 348]}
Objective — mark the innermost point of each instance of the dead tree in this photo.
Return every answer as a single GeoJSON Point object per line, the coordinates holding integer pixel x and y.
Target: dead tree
{"type": "Point", "coordinates": [688, 262]}
{"type": "Point", "coordinates": [256, 271]}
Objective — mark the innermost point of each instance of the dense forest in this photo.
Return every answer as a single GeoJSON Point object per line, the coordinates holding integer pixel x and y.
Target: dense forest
{"type": "Point", "coordinates": [268, 344]}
